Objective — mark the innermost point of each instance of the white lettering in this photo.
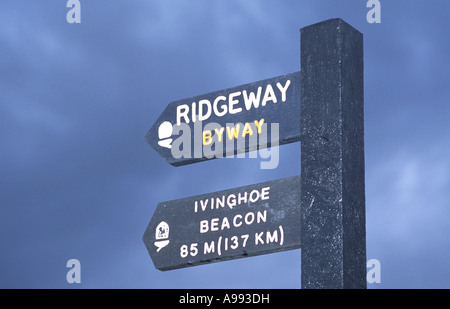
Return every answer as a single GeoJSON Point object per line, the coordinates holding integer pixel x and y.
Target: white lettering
{"type": "Point", "coordinates": [219, 202]}
{"type": "Point", "coordinates": [217, 224]}
{"type": "Point", "coordinates": [242, 198]}
{"type": "Point", "coordinates": [283, 90]}
{"type": "Point", "coordinates": [272, 237]}
{"type": "Point", "coordinates": [225, 224]}
{"type": "Point", "coordinates": [204, 204]}
{"type": "Point", "coordinates": [182, 111]}
{"type": "Point", "coordinates": [208, 248]}
{"type": "Point", "coordinates": [232, 200]}
{"type": "Point", "coordinates": [201, 104]}
{"type": "Point", "coordinates": [252, 197]}
{"type": "Point", "coordinates": [214, 224]}
{"type": "Point", "coordinates": [258, 238]}
{"type": "Point", "coordinates": [261, 216]}
{"type": "Point", "coordinates": [265, 193]}
{"type": "Point", "coordinates": [204, 226]}
{"type": "Point", "coordinates": [223, 106]}
{"type": "Point", "coordinates": [269, 95]}
{"type": "Point", "coordinates": [249, 218]}
{"type": "Point", "coordinates": [232, 102]}
{"type": "Point", "coordinates": [194, 112]}
{"type": "Point", "coordinates": [235, 223]}
{"type": "Point", "coordinates": [252, 99]}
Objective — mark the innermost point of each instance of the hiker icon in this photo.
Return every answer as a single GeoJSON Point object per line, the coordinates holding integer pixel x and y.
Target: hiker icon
{"type": "Point", "coordinates": [162, 235]}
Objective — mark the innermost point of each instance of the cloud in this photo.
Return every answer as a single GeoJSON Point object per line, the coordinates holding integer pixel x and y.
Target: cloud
{"type": "Point", "coordinates": [407, 208]}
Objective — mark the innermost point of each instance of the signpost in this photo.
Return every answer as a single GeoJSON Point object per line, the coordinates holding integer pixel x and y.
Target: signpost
{"type": "Point", "coordinates": [229, 121]}
{"type": "Point", "coordinates": [224, 225]}
{"type": "Point", "coordinates": [322, 212]}
{"type": "Point", "coordinates": [332, 157]}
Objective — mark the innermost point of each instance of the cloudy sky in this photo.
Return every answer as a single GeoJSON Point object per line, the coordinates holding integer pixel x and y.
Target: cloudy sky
{"type": "Point", "coordinates": [78, 180]}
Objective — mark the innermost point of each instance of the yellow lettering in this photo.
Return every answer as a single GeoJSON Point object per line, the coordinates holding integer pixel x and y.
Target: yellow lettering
{"type": "Point", "coordinates": [207, 137]}
{"type": "Point", "coordinates": [219, 133]}
{"type": "Point", "coordinates": [247, 130]}
{"type": "Point", "coordinates": [233, 132]}
{"type": "Point", "coordinates": [259, 125]}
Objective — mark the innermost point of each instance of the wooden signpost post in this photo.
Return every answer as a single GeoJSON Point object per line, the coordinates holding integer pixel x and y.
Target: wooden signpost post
{"type": "Point", "coordinates": [332, 157]}
{"type": "Point", "coordinates": [322, 212]}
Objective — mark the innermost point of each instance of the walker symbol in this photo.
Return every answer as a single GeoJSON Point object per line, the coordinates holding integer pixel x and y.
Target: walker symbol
{"type": "Point", "coordinates": [162, 235]}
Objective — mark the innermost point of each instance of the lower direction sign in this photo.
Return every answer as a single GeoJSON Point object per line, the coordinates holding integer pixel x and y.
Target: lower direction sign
{"type": "Point", "coordinates": [230, 224]}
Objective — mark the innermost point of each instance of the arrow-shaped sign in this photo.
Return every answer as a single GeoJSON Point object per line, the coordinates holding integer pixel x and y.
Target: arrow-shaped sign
{"type": "Point", "coordinates": [230, 224]}
{"type": "Point", "coordinates": [228, 122]}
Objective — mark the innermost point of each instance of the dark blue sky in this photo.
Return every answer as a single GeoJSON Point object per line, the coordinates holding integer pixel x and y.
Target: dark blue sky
{"type": "Point", "coordinates": [78, 180]}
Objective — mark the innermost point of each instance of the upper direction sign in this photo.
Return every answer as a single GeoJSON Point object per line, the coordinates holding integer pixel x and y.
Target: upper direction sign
{"type": "Point", "coordinates": [228, 122]}
{"type": "Point", "coordinates": [230, 224]}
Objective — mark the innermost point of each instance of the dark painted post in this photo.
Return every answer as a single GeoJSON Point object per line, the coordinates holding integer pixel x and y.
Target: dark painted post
{"type": "Point", "coordinates": [333, 233]}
